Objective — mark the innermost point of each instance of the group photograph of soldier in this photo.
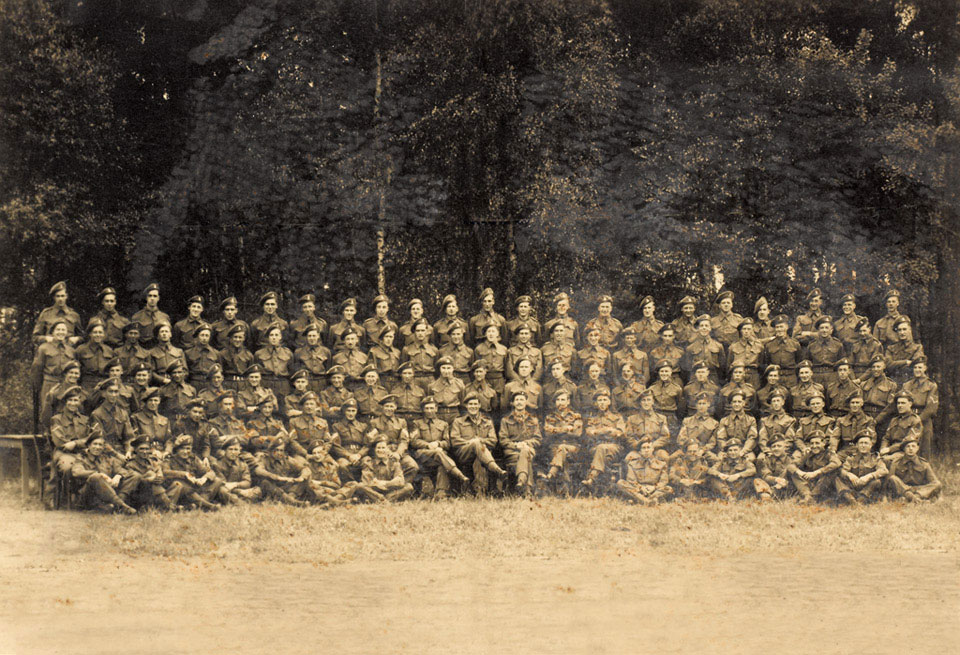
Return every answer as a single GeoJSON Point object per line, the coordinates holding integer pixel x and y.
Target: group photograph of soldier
{"type": "Point", "coordinates": [207, 409]}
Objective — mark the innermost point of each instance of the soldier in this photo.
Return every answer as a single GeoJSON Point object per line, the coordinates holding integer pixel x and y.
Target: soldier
{"type": "Point", "coordinates": [626, 395]}
{"type": "Point", "coordinates": [150, 424]}
{"type": "Point", "coordinates": [346, 324]}
{"type": "Point", "coordinates": [235, 472]}
{"type": "Point", "coordinates": [458, 352]}
{"type": "Point", "coordinates": [815, 471]}
{"type": "Point", "coordinates": [184, 330]}
{"type": "Point", "coordinates": [926, 400]}
{"type": "Point", "coordinates": [911, 477]}
{"type": "Point", "coordinates": [784, 351]}
{"type": "Point", "coordinates": [422, 354]}
{"type": "Point", "coordinates": [648, 327]}
{"type": "Point", "coordinates": [487, 396]}
{"type": "Point", "coordinates": [284, 478]}
{"type": "Point", "coordinates": [863, 349]}
{"type": "Point", "coordinates": [451, 319]}
{"type": "Point", "coordinates": [58, 312]}
{"type": "Point", "coordinates": [843, 440]}
{"type": "Point", "coordinates": [212, 390]}
{"type": "Point", "coordinates": [563, 436]}
{"type": "Point", "coordinates": [725, 324]}
{"type": "Point", "coordinates": [732, 476]}
{"type": "Point", "coordinates": [383, 478]}
{"type": "Point", "coordinates": [409, 394]}
{"type": "Point", "coordinates": [50, 405]}
{"type": "Point", "coordinates": [175, 395]}
{"type": "Point", "coordinates": [604, 321]}
{"type": "Point", "coordinates": [349, 356]}
{"type": "Point", "coordinates": [70, 431]}
{"type": "Point", "coordinates": [370, 393]}
{"type": "Point", "coordinates": [130, 352]}
{"type": "Point", "coordinates": [379, 322]}
{"type": "Point", "coordinates": [225, 424]}
{"type": "Point", "coordinates": [667, 351]}
{"type": "Point", "coordinates": [738, 425]}
{"type": "Point", "coordinates": [446, 390]}
{"type": "Point", "coordinates": [519, 439]}
{"type": "Point", "coordinates": [307, 428]}
{"type": "Point", "coordinates": [154, 490]}
{"type": "Point", "coordinates": [588, 390]}
{"type": "Point", "coordinates": [905, 424]}
{"type": "Point", "coordinates": [49, 361]}
{"type": "Point", "coordinates": [824, 352]}
{"type": "Point", "coordinates": [356, 439]}
{"type": "Point", "coordinates": [522, 348]}
{"type": "Point", "coordinates": [195, 424]}
{"type": "Point", "coordinates": [201, 486]}
{"type": "Point", "coordinates": [472, 437]}
{"type": "Point", "coordinates": [737, 383]}
{"type": "Point", "coordinates": [560, 347]}
{"type": "Point", "coordinates": [667, 396]}
{"type": "Point", "coordinates": [105, 479]}
{"type": "Point", "coordinates": [772, 375]}
{"type": "Point", "coordinates": [685, 325]}
{"type": "Point", "coordinates": [605, 437]}
{"type": "Point", "coordinates": [556, 381]}
{"type": "Point", "coordinates": [524, 306]}
{"type": "Point", "coordinates": [494, 356]}
{"type": "Point", "coordinates": [275, 360]}
{"type": "Point", "coordinates": [762, 321]}
{"type": "Point", "coordinates": [93, 356]}
{"type": "Point", "coordinates": [841, 388]}
{"type": "Point", "coordinates": [265, 423]}
{"type": "Point", "coordinates": [115, 372]}
{"type": "Point", "coordinates": [334, 396]}
{"type": "Point", "coordinates": [260, 326]}
{"type": "Point", "coordinates": [201, 356]}
{"type": "Point", "coordinates": [645, 478]}
{"type": "Point", "coordinates": [700, 427]}
{"type": "Point", "coordinates": [415, 308]}
{"type": "Point", "coordinates": [593, 353]}
{"type": "Point", "coordinates": [393, 430]}
{"type": "Point", "coordinates": [479, 323]}
{"type": "Point", "coordinates": [385, 357]}
{"type": "Point", "coordinates": [300, 380]}
{"type": "Point", "coordinates": [141, 383]}
{"type": "Point", "coordinates": [878, 390]}
{"type": "Point", "coordinates": [227, 322]}
{"type": "Point", "coordinates": [430, 440]}
{"type": "Point", "coordinates": [297, 329]}
{"type": "Point", "coordinates": [815, 422]}
{"type": "Point", "coordinates": [648, 426]}
{"type": "Point", "coordinates": [571, 333]}
{"type": "Point", "coordinates": [150, 316]}
{"type": "Point", "coordinates": [325, 477]}
{"type": "Point", "coordinates": [774, 468]}
{"type": "Point", "coordinates": [631, 354]}
{"type": "Point", "coordinates": [806, 388]}
{"type": "Point", "coordinates": [252, 392]}
{"type": "Point", "coordinates": [899, 354]}
{"type": "Point", "coordinates": [525, 383]}
{"type": "Point", "coordinates": [313, 356]}
{"type": "Point", "coordinates": [700, 383]}
{"type": "Point", "coordinates": [777, 424]}
{"type": "Point", "coordinates": [846, 327]}
{"type": "Point", "coordinates": [883, 329]}
{"type": "Point", "coordinates": [861, 477]}
{"type": "Point", "coordinates": [164, 354]}
{"type": "Point", "coordinates": [111, 418]}
{"type": "Point", "coordinates": [706, 349]}
{"type": "Point", "coordinates": [805, 328]}
{"type": "Point", "coordinates": [747, 350]}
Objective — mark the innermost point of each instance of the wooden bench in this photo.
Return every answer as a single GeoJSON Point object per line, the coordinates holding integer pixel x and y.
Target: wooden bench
{"type": "Point", "coordinates": [30, 459]}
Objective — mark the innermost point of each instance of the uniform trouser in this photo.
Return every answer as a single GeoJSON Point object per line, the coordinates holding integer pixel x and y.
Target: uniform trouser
{"type": "Point", "coordinates": [604, 455]}
{"type": "Point", "coordinates": [820, 488]}
{"type": "Point", "coordinates": [926, 438]}
{"type": "Point", "coordinates": [437, 464]}
{"type": "Point", "coordinates": [98, 487]}
{"type": "Point", "coordinates": [673, 424]}
{"type": "Point", "coordinates": [898, 488]}
{"type": "Point", "coordinates": [156, 495]}
{"type": "Point", "coordinates": [285, 491]}
{"type": "Point", "coordinates": [519, 459]}
{"type": "Point", "coordinates": [248, 494]}
{"type": "Point", "coordinates": [868, 492]}
{"type": "Point", "coordinates": [635, 492]}
{"type": "Point", "coordinates": [476, 454]}
{"type": "Point", "coordinates": [377, 493]}
{"type": "Point", "coordinates": [351, 471]}
{"type": "Point", "coordinates": [327, 493]}
{"type": "Point", "coordinates": [761, 486]}
{"type": "Point", "coordinates": [689, 491]}
{"type": "Point", "coordinates": [561, 455]}
{"type": "Point", "coordinates": [738, 489]}
{"type": "Point", "coordinates": [408, 464]}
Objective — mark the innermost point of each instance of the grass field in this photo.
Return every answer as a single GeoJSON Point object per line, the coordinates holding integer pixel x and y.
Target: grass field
{"type": "Point", "coordinates": [583, 575]}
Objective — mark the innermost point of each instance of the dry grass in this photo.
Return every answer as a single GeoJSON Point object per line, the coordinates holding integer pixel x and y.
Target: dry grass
{"type": "Point", "coordinates": [468, 528]}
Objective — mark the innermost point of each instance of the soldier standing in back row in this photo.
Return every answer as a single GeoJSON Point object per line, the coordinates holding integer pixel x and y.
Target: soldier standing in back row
{"type": "Point", "coordinates": [804, 329]}
{"type": "Point", "coordinates": [58, 312]}
{"type": "Point", "coordinates": [604, 321]}
{"type": "Point", "coordinates": [486, 317]}
{"type": "Point", "coordinates": [572, 333]}
{"type": "Point", "coordinates": [726, 323]}
{"type": "Point", "coordinates": [150, 316]}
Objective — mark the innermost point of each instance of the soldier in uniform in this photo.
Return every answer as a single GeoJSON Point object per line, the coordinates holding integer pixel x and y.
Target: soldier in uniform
{"type": "Point", "coordinates": [605, 438]}
{"type": "Point", "coordinates": [346, 324]}
{"type": "Point", "coordinates": [176, 394]}
{"type": "Point", "coordinates": [846, 327]}
{"type": "Point", "coordinates": [105, 478]}
{"type": "Point", "coordinates": [815, 422]}
{"type": "Point", "coordinates": [732, 476]}
{"type": "Point", "coordinates": [899, 354]}
{"type": "Point", "coordinates": [325, 477]}
{"type": "Point", "coordinates": [685, 325]}
{"type": "Point", "coordinates": [422, 354]}
{"type": "Point", "coordinates": [700, 383]}
{"type": "Point", "coordinates": [824, 352]}
{"type": "Point", "coordinates": [333, 397]}
{"type": "Point", "coordinates": [863, 348]}
{"type": "Point", "coordinates": [626, 395]}
{"type": "Point", "coordinates": [747, 350]}
{"type": "Point", "coordinates": [150, 424]}
{"type": "Point", "coordinates": [883, 330]}
{"type": "Point", "coordinates": [212, 390]}
{"type": "Point", "coordinates": [841, 388]}
{"type": "Point", "coordinates": [772, 375]}
{"type": "Point", "coordinates": [154, 490]}
{"type": "Point", "coordinates": [588, 390]}
{"type": "Point", "coordinates": [300, 381]}
{"type": "Point", "coordinates": [815, 470]}
{"type": "Point", "coordinates": [50, 405]}
{"type": "Point", "coordinates": [762, 321]}
{"type": "Point", "coordinates": [604, 321]}
{"type": "Point", "coordinates": [260, 326]}
{"type": "Point", "coordinates": [93, 356]}
{"type": "Point", "coordinates": [805, 327]}
{"type": "Point", "coordinates": [201, 356]}
{"type": "Point", "coordinates": [112, 419]}
{"type": "Point", "coordinates": [195, 424]}
{"type": "Point", "coordinates": [472, 437]}
{"type": "Point", "coordinates": [704, 348]}
{"type": "Point", "coordinates": [141, 383]}
{"type": "Point", "coordinates": [356, 439]}
{"type": "Point", "coordinates": [667, 396]}
{"type": "Point", "coordinates": [926, 400]}
{"type": "Point", "coordinates": [430, 440]}
{"type": "Point", "coordinates": [379, 322]}
{"type": "Point", "coordinates": [777, 424]}
{"type": "Point", "coordinates": [560, 347]}
{"type": "Point", "coordinates": [524, 306]}
{"type": "Point", "coordinates": [563, 441]}
{"type": "Point", "coordinates": [201, 485]}
{"type": "Point", "coordinates": [227, 323]}
{"type": "Point", "coordinates": [252, 392]}
{"type": "Point", "coordinates": [349, 356]}
{"type": "Point", "coordinates": [688, 472]}
{"type": "Point", "coordinates": [519, 439]}
{"type": "Point", "coordinates": [150, 316]}
{"type": "Point", "coordinates": [370, 393]}
{"type": "Point", "coordinates": [275, 360]}
{"type": "Point", "coordinates": [266, 423]}
{"type": "Point", "coordinates": [409, 394]}
{"type": "Point", "coordinates": [648, 426]}
{"type": "Point", "coordinates": [58, 312]}
{"type": "Point", "coordinates": [860, 479]}
{"type": "Point", "coordinates": [648, 327]}
{"type": "Point", "coordinates": [130, 352]}
{"type": "Point", "coordinates": [458, 352]}
{"type": "Point", "coordinates": [525, 383]}
{"type": "Point", "coordinates": [726, 323]}
{"type": "Point", "coordinates": [774, 468]}
{"type": "Point", "coordinates": [306, 428]}
{"type": "Point", "coordinates": [415, 307]}
{"type": "Point", "coordinates": [49, 360]}
{"type": "Point", "coordinates": [905, 424]}
{"type": "Point", "coordinates": [594, 353]}
{"type": "Point", "coordinates": [70, 431]}
{"type": "Point", "coordinates": [667, 351]}
{"type": "Point", "coordinates": [738, 425]}
{"type": "Point", "coordinates": [701, 427]}
{"type": "Point", "coordinates": [184, 330]}
{"type": "Point", "coordinates": [225, 424]}
{"type": "Point", "coordinates": [806, 388]}
{"type": "Point", "coordinates": [556, 381]}
{"type": "Point", "coordinates": [313, 356]}
{"type": "Point", "coordinates": [738, 383]}
{"type": "Point", "coordinates": [494, 356]}
{"type": "Point", "coordinates": [393, 430]}
{"type": "Point", "coordinates": [633, 355]}
{"type": "Point", "coordinates": [235, 472]}
{"type": "Point", "coordinates": [297, 337]}
{"type": "Point", "coordinates": [522, 348]}
{"type": "Point", "coordinates": [451, 319]}
{"type": "Point", "coordinates": [571, 333]}
{"type": "Point", "coordinates": [446, 390]}
{"type": "Point", "coordinates": [385, 357]}
{"type": "Point", "coordinates": [284, 478]}
{"type": "Point", "coordinates": [911, 477]}
{"type": "Point", "coordinates": [164, 354]}
{"type": "Point", "coordinates": [112, 320]}
{"type": "Point", "coordinates": [784, 351]}
{"type": "Point", "coordinates": [645, 477]}
{"type": "Point", "coordinates": [843, 440]}
{"type": "Point", "coordinates": [383, 478]}
{"type": "Point", "coordinates": [479, 322]}
{"type": "Point", "coordinates": [878, 390]}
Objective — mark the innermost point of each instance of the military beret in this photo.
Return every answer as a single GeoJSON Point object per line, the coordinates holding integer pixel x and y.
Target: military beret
{"type": "Point", "coordinates": [369, 368]}
{"type": "Point", "coordinates": [843, 361]}
{"type": "Point", "coordinates": [865, 434]}
{"type": "Point", "coordinates": [523, 359]}
{"type": "Point", "coordinates": [485, 293]}
{"type": "Point", "coordinates": [470, 395]}
{"type": "Point", "coordinates": [605, 298]}
{"type": "Point", "coordinates": [269, 295]}
{"type": "Point", "coordinates": [94, 322]}
{"type": "Point", "coordinates": [349, 302]}
{"type": "Point", "coordinates": [817, 434]}
{"type": "Point", "coordinates": [910, 437]}
{"type": "Point", "coordinates": [919, 359]}
{"type": "Point", "coordinates": [560, 296]}
{"type": "Point", "coordinates": [814, 294]}
{"type": "Point", "coordinates": [745, 322]}
{"type": "Point", "coordinates": [349, 402]}
{"type": "Point", "coordinates": [299, 373]}
{"type": "Point", "coordinates": [444, 361]}
{"type": "Point", "coordinates": [316, 443]}
{"type": "Point", "coordinates": [523, 299]}
{"type": "Point", "coordinates": [780, 438]}
{"type": "Point", "coordinates": [823, 320]}
{"type": "Point", "coordinates": [130, 327]}
{"type": "Point", "coordinates": [521, 326]}
{"type": "Point", "coordinates": [479, 364]}
{"type": "Point", "coordinates": [703, 395]}
{"type": "Point", "coordinates": [646, 300]}
{"type": "Point", "coordinates": [103, 384]}
{"type": "Point", "coordinates": [59, 286]}
{"type": "Point", "coordinates": [761, 302]}
{"type": "Point", "coordinates": [858, 395]}
{"type": "Point", "coordinates": [628, 332]}
{"type": "Point", "coordinates": [778, 393]}
{"type": "Point", "coordinates": [805, 364]}
{"type": "Point", "coordinates": [602, 393]}
{"type": "Point", "coordinates": [553, 328]}
{"type": "Point", "coordinates": [892, 293]}
{"type": "Point", "coordinates": [349, 332]}
{"type": "Point", "coordinates": [138, 441]}
{"type": "Point", "coordinates": [781, 319]}
{"type": "Point", "coordinates": [414, 301]}
{"type": "Point", "coordinates": [308, 297]}
{"type": "Point", "coordinates": [174, 366]}
{"type": "Point", "coordinates": [60, 321]}
{"type": "Point", "coordinates": [276, 443]}
{"type": "Point", "coordinates": [381, 298]}
{"type": "Point", "coordinates": [666, 327]}
{"type": "Point", "coordinates": [229, 441]}
{"type": "Point", "coordinates": [594, 363]}
{"type": "Point", "coordinates": [70, 365]}
{"type": "Point", "coordinates": [848, 297]}
{"type": "Point", "coordinates": [731, 443]}
{"type": "Point", "coordinates": [737, 363]}
{"type": "Point", "coordinates": [646, 393]}
{"type": "Point", "coordinates": [141, 366]}
{"type": "Point", "coordinates": [150, 392]}
{"type": "Point", "coordinates": [486, 328]}
{"type": "Point", "coordinates": [427, 400]}
{"type": "Point", "coordinates": [214, 370]}
{"type": "Point", "coordinates": [456, 327]}
{"type": "Point", "coordinates": [700, 319]}
{"type": "Point", "coordinates": [903, 394]}
{"type": "Point", "coordinates": [106, 291]}
{"type": "Point", "coordinates": [903, 320]}
{"type": "Point", "coordinates": [253, 368]}
{"type": "Point", "coordinates": [687, 300]}
{"type": "Point", "coordinates": [697, 365]}
{"type": "Point", "coordinates": [229, 301]}
{"type": "Point", "coordinates": [863, 322]}
{"type": "Point", "coordinates": [389, 398]}
{"type": "Point", "coordinates": [271, 400]}
{"type": "Point", "coordinates": [153, 286]}
{"type": "Point", "coordinates": [724, 295]}
{"type": "Point", "coordinates": [560, 392]}
{"type": "Point", "coordinates": [591, 330]}
{"type": "Point", "coordinates": [424, 322]}
{"type": "Point", "coordinates": [204, 327]}
{"type": "Point", "coordinates": [878, 358]}
{"type": "Point", "coordinates": [310, 395]}
{"type": "Point", "coordinates": [274, 326]}
{"type": "Point", "coordinates": [195, 402]}
{"type": "Point", "coordinates": [518, 392]}
{"type": "Point", "coordinates": [736, 393]}
{"type": "Point", "coordinates": [447, 299]}
{"type": "Point", "coordinates": [193, 299]}
{"type": "Point", "coordinates": [405, 366]}
{"type": "Point", "coordinates": [770, 369]}
{"type": "Point", "coordinates": [814, 396]}
{"type": "Point", "coordinates": [336, 369]}
{"type": "Point", "coordinates": [162, 324]}
{"type": "Point", "coordinates": [236, 329]}
{"type": "Point", "coordinates": [310, 326]}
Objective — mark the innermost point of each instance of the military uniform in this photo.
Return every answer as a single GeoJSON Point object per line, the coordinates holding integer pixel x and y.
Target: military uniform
{"type": "Point", "coordinates": [648, 334]}
{"type": "Point", "coordinates": [636, 358]}
{"type": "Point", "coordinates": [409, 398]}
{"type": "Point", "coordinates": [845, 329]}
{"type": "Point", "coordinates": [606, 439]}
{"type": "Point", "coordinates": [824, 464]}
{"type": "Point", "coordinates": [179, 467]}
{"type": "Point", "coordinates": [702, 429]}
{"type": "Point", "coordinates": [563, 440]}
{"type": "Point", "coordinates": [610, 329]}
{"type": "Point", "coordinates": [726, 327]}
{"type": "Point", "coordinates": [272, 469]}
{"type": "Point", "coordinates": [472, 439]}
{"type": "Point", "coordinates": [811, 424]}
{"type": "Point", "coordinates": [383, 479]}
{"type": "Point", "coordinates": [423, 358]}
{"type": "Point", "coordinates": [353, 361]}
{"type": "Point", "coordinates": [97, 472]}
{"type": "Point", "coordinates": [368, 399]}
{"type": "Point", "coordinates": [776, 426]}
{"type": "Point", "coordinates": [149, 319]}
{"type": "Point", "coordinates": [883, 330]}
{"type": "Point", "coordinates": [565, 352]}
{"type": "Point", "coordinates": [748, 391]}
{"type": "Point", "coordinates": [862, 352]}
{"type": "Point", "coordinates": [771, 469]}
{"type": "Point", "coordinates": [185, 331]}
{"type": "Point", "coordinates": [430, 440]}
{"type": "Point", "coordinates": [785, 352]}
{"type": "Point", "coordinates": [594, 354]}
{"type": "Point", "coordinates": [824, 355]}
{"type": "Point", "coordinates": [448, 394]}
{"type": "Point", "coordinates": [694, 389]}
{"type": "Point", "coordinates": [845, 431]}
{"type": "Point", "coordinates": [901, 428]}
{"type": "Point", "coordinates": [386, 360]}
{"type": "Point", "coordinates": [640, 474]}
{"type": "Point", "coordinates": [806, 322]}
{"type": "Point", "coordinates": [443, 327]}
{"type": "Point", "coordinates": [175, 397]}
{"type": "Point", "coordinates": [297, 329]}
{"type": "Point", "coordinates": [48, 362]}
{"type": "Point", "coordinates": [572, 335]}
{"type": "Point", "coordinates": [800, 396]}
{"type": "Point", "coordinates": [644, 427]}
{"type": "Point", "coordinates": [462, 357]}
{"type": "Point", "coordinates": [740, 426]}
{"type": "Point", "coordinates": [200, 359]}
{"type": "Point", "coordinates": [305, 430]}
{"type": "Point", "coordinates": [202, 432]}
{"type": "Point", "coordinates": [373, 326]}
{"type": "Point", "coordinates": [154, 489]}
{"type": "Point", "coordinates": [626, 396]}
{"type": "Point", "coordinates": [709, 351]}
{"type": "Point", "coordinates": [479, 323]}
{"type": "Point", "coordinates": [153, 427]}
{"type": "Point", "coordinates": [524, 351]}
{"type": "Point", "coordinates": [878, 393]}
{"type": "Point", "coordinates": [926, 402]}
{"type": "Point", "coordinates": [68, 432]}
{"type": "Point", "coordinates": [899, 358]}
{"type": "Point", "coordinates": [519, 439]}
{"type": "Point", "coordinates": [745, 470]}
{"type": "Point", "coordinates": [260, 328]}
{"type": "Point", "coordinates": [763, 397]}
{"type": "Point", "coordinates": [515, 323]}
{"type": "Point", "coordinates": [52, 315]}
{"type": "Point", "coordinates": [494, 358]}
{"type": "Point", "coordinates": [857, 465]}
{"type": "Point", "coordinates": [672, 355]}
{"type": "Point", "coordinates": [583, 401]}
{"type": "Point", "coordinates": [747, 352]}
{"type": "Point", "coordinates": [354, 445]}
{"type": "Point", "coordinates": [839, 393]}
{"type": "Point", "coordinates": [668, 401]}
{"type": "Point", "coordinates": [236, 474]}
{"type": "Point", "coordinates": [114, 425]}
{"type": "Point", "coordinates": [275, 362]}
{"type": "Point", "coordinates": [93, 358]}
{"type": "Point", "coordinates": [315, 359]}
{"type": "Point", "coordinates": [913, 477]}
{"type": "Point", "coordinates": [688, 476]}
{"type": "Point", "coordinates": [332, 399]}
{"type": "Point", "coordinates": [393, 430]}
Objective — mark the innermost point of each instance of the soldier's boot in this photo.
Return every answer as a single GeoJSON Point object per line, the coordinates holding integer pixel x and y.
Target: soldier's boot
{"type": "Point", "coordinates": [458, 475]}
{"type": "Point", "coordinates": [204, 504]}
{"type": "Point", "coordinates": [591, 478]}
{"type": "Point", "coordinates": [551, 474]}
{"type": "Point", "coordinates": [765, 497]}
{"type": "Point", "coordinates": [911, 496]}
{"type": "Point", "coordinates": [124, 508]}
{"type": "Point", "coordinates": [494, 468]}
{"type": "Point", "coordinates": [805, 499]}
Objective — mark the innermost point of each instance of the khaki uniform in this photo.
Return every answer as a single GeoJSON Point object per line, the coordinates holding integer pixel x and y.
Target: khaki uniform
{"type": "Point", "coordinates": [626, 396]}
{"type": "Point", "coordinates": [383, 480]}
{"type": "Point", "coordinates": [479, 323]}
{"type": "Point", "coordinates": [862, 352]}
{"type": "Point", "coordinates": [811, 423]}
{"type": "Point", "coordinates": [519, 439]}
{"type": "Point", "coordinates": [368, 399]}
{"type": "Point", "coordinates": [856, 465]}
{"type": "Point", "coordinates": [838, 395]}
{"type": "Point", "coordinates": [648, 334]}
{"type": "Point", "coordinates": [234, 362]}
{"type": "Point", "coordinates": [353, 443]}
{"type": "Point", "coordinates": [49, 316]}
{"type": "Point", "coordinates": [583, 400]}
{"type": "Point", "coordinates": [694, 389]}
{"type": "Point", "coordinates": [472, 439]}
{"type": "Point", "coordinates": [305, 429]}
{"type": "Point", "coordinates": [528, 386]}
{"type": "Point", "coordinates": [443, 327]}
{"type": "Point", "coordinates": [200, 359]}
{"type": "Point", "coordinates": [393, 430]}
{"type": "Point", "coordinates": [737, 425]}
{"type": "Point", "coordinates": [185, 331]}
{"type": "Point", "coordinates": [594, 354]}
{"type": "Point", "coordinates": [749, 396]}
{"type": "Point", "coordinates": [635, 357]}
{"type": "Point", "coordinates": [899, 428]}
{"type": "Point", "coordinates": [447, 393]}
{"type": "Point", "coordinates": [898, 358]}
{"type": "Point", "coordinates": [353, 361]}
{"type": "Point", "coordinates": [688, 477]}
{"type": "Point", "coordinates": [565, 352]}
{"type": "Point", "coordinates": [914, 475]}
{"type": "Point", "coordinates": [709, 351]}
{"type": "Point", "coordinates": [276, 363]}
{"type": "Point", "coordinates": [114, 424]}
{"type": "Point", "coordinates": [154, 489]}
{"type": "Point", "coordinates": [747, 353]}
{"type": "Point", "coordinates": [673, 355]}
{"type": "Point", "coordinates": [763, 397]}
{"type": "Point", "coordinates": [845, 329]}
{"type": "Point", "coordinates": [93, 360]}
{"type": "Point", "coordinates": [606, 437]}
{"type": "Point", "coordinates": [295, 336]}
{"type": "Point", "coordinates": [824, 354]}
{"type": "Point", "coordinates": [408, 399]}
{"type": "Point", "coordinates": [238, 471]}
{"type": "Point", "coordinates": [520, 351]}
{"type": "Point", "coordinates": [153, 427]}
{"type": "Point", "coordinates": [223, 326]}
{"type": "Point", "coordinates": [743, 467]}
{"type": "Point", "coordinates": [668, 400]}
{"type": "Point", "coordinates": [845, 431]}
{"type": "Point", "coordinates": [495, 359]}
{"type": "Point", "coordinates": [332, 399]}
{"type": "Point", "coordinates": [651, 427]}
{"type": "Point", "coordinates": [148, 320]}
{"type": "Point", "coordinates": [430, 440]}
{"type": "Point", "coordinates": [806, 322]}
{"type": "Point", "coordinates": [573, 330]}
{"type": "Point", "coordinates": [825, 463]}
{"type": "Point", "coordinates": [316, 360]}
{"type": "Point", "coordinates": [786, 353]}
{"type": "Point", "coordinates": [610, 329]}
{"type": "Point", "coordinates": [563, 440]}
{"type": "Point", "coordinates": [645, 480]}
{"type": "Point", "coordinates": [883, 329]}
{"type": "Point", "coordinates": [702, 429]}
{"type": "Point", "coordinates": [97, 474]}
{"type": "Point", "coordinates": [725, 328]}
{"type": "Point", "coordinates": [773, 426]}
{"type": "Point", "coordinates": [801, 394]}
{"type": "Point", "coordinates": [337, 330]}
{"type": "Point", "coordinates": [878, 393]}
{"type": "Point", "coordinates": [926, 402]}
{"type": "Point", "coordinates": [373, 326]}
{"type": "Point", "coordinates": [272, 466]}
{"type": "Point", "coordinates": [462, 358]}
{"type": "Point", "coordinates": [514, 324]}
{"type": "Point", "coordinates": [769, 468]}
